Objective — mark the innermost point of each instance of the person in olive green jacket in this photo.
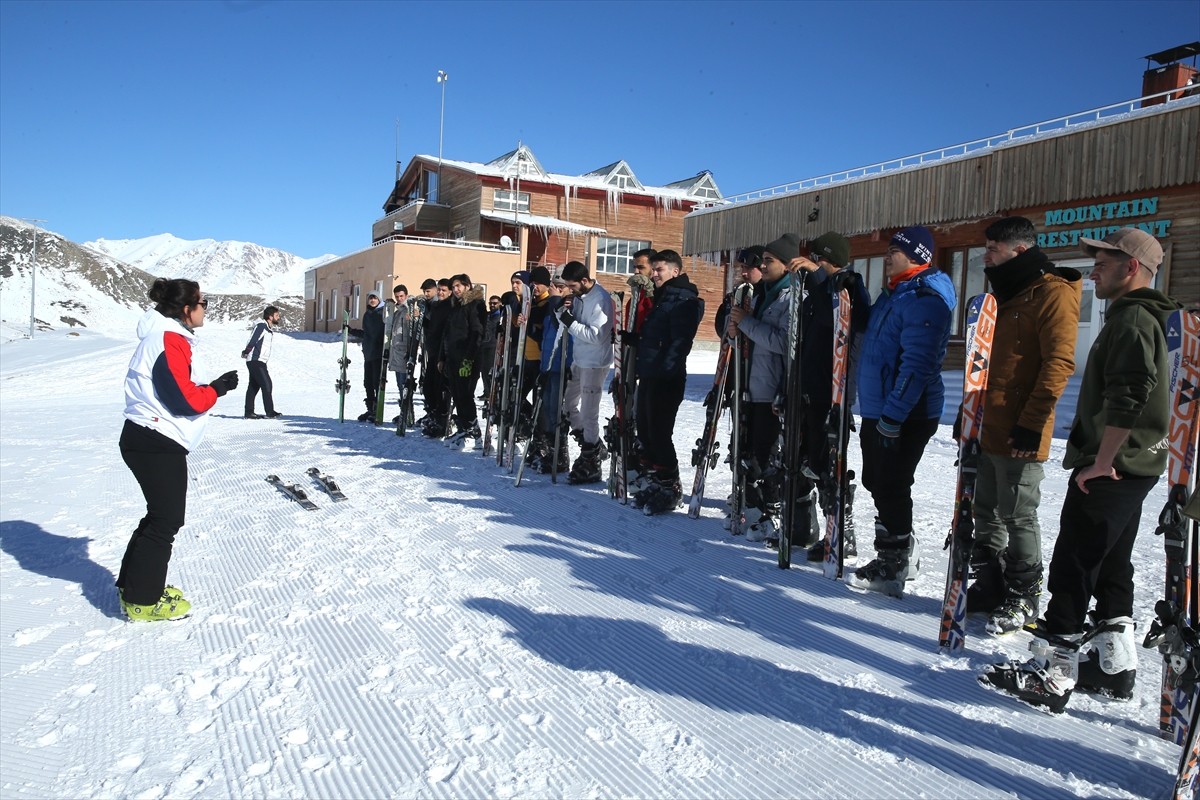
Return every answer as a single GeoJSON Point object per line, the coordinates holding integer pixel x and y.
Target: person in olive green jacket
{"type": "Point", "coordinates": [1037, 320]}
{"type": "Point", "coordinates": [1117, 449]}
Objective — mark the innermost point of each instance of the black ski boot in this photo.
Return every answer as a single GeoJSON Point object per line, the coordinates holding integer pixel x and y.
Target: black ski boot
{"type": "Point", "coordinates": [896, 562]}
{"type": "Point", "coordinates": [987, 589]}
{"type": "Point", "coordinates": [667, 494]}
{"type": "Point", "coordinates": [586, 468]}
{"type": "Point", "coordinates": [1023, 588]}
{"type": "Point", "coordinates": [539, 453]}
{"type": "Point", "coordinates": [1046, 680]}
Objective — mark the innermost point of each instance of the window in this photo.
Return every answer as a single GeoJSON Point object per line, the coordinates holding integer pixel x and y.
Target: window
{"type": "Point", "coordinates": [871, 269]}
{"type": "Point", "coordinates": [616, 255]}
{"type": "Point", "coordinates": [333, 304]}
{"type": "Point", "coordinates": [379, 291]}
{"type": "Point", "coordinates": [357, 301]}
{"type": "Point", "coordinates": [322, 309]}
{"type": "Point", "coordinates": [429, 187]}
{"type": "Point", "coordinates": [502, 200]}
{"type": "Point", "coordinates": [965, 266]}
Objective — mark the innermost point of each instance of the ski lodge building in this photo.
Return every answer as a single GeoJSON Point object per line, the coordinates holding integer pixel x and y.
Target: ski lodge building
{"type": "Point", "coordinates": [1135, 163]}
{"type": "Point", "coordinates": [445, 217]}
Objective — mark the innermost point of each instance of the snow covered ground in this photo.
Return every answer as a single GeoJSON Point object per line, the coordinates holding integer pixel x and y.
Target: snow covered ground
{"type": "Point", "coordinates": [442, 634]}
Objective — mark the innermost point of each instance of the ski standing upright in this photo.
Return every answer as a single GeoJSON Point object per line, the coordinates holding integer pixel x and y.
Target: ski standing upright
{"type": "Point", "coordinates": [517, 401]}
{"type": "Point", "coordinates": [620, 425]}
{"type": "Point", "coordinates": [981, 324]}
{"type": "Point", "coordinates": [499, 385]}
{"type": "Point", "coordinates": [343, 384]}
{"type": "Point", "coordinates": [407, 418]}
{"type": "Point", "coordinates": [706, 453]}
{"type": "Point", "coordinates": [837, 436]}
{"type": "Point", "coordinates": [388, 309]}
{"type": "Point", "coordinates": [790, 409]}
{"type": "Point", "coordinates": [740, 366]}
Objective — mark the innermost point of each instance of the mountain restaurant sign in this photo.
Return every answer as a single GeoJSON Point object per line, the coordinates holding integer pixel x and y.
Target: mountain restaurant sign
{"type": "Point", "coordinates": [1101, 213]}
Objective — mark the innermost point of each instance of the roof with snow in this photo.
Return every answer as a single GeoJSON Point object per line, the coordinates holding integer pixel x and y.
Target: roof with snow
{"type": "Point", "coordinates": [617, 177]}
{"type": "Point", "coordinates": [538, 221]}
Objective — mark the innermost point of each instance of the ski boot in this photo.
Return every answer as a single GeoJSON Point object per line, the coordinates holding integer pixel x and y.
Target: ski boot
{"type": "Point", "coordinates": [757, 525]}
{"type": "Point", "coordinates": [538, 453]}
{"type": "Point", "coordinates": [1110, 665]}
{"type": "Point", "coordinates": [1020, 604]}
{"type": "Point", "coordinates": [896, 562]}
{"type": "Point", "coordinates": [987, 590]}
{"type": "Point", "coordinates": [1046, 680]}
{"type": "Point", "coordinates": [169, 608]}
{"type": "Point", "coordinates": [668, 495]}
{"type": "Point", "coordinates": [586, 468]}
{"type": "Point", "coordinates": [469, 431]}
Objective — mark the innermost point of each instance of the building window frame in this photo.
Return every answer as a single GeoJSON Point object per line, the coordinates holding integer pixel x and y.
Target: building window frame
{"type": "Point", "coordinates": [871, 270]}
{"type": "Point", "coordinates": [356, 303]}
{"type": "Point", "coordinates": [964, 265]}
{"type": "Point", "coordinates": [333, 304]}
{"type": "Point", "coordinates": [615, 256]}
{"type": "Point", "coordinates": [502, 200]}
{"type": "Point", "coordinates": [322, 309]}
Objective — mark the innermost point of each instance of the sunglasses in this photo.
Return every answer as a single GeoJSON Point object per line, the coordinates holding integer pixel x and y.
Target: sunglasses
{"type": "Point", "coordinates": [202, 303]}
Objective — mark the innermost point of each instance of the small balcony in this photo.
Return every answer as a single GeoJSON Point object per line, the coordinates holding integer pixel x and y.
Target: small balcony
{"type": "Point", "coordinates": [416, 218]}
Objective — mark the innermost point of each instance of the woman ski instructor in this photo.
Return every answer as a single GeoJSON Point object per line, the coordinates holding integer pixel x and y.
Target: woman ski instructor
{"type": "Point", "coordinates": [165, 415]}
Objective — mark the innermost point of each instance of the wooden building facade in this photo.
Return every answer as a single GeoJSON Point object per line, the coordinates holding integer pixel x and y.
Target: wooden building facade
{"type": "Point", "coordinates": [1140, 168]}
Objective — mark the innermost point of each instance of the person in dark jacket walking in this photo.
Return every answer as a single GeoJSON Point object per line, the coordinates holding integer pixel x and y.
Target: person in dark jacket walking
{"type": "Point", "coordinates": [828, 272]}
{"type": "Point", "coordinates": [901, 398]}
{"type": "Point", "coordinates": [663, 346]}
{"type": "Point", "coordinates": [1036, 323]}
{"type": "Point", "coordinates": [1116, 451]}
{"type": "Point", "coordinates": [372, 347]}
{"type": "Point", "coordinates": [460, 348]}
{"type": "Point", "coordinates": [256, 353]}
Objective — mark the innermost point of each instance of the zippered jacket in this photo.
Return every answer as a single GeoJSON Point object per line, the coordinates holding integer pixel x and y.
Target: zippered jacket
{"type": "Point", "coordinates": [670, 328]}
{"type": "Point", "coordinates": [900, 368]}
{"type": "Point", "coordinates": [767, 329]}
{"type": "Point", "coordinates": [592, 330]}
{"type": "Point", "coordinates": [261, 339]}
{"type": "Point", "coordinates": [159, 391]}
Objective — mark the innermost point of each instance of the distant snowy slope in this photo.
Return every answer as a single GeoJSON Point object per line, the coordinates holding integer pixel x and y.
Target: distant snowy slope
{"type": "Point", "coordinates": [75, 287]}
{"type": "Point", "coordinates": [219, 267]}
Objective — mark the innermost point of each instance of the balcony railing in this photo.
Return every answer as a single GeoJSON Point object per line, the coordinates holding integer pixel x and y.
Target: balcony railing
{"type": "Point", "coordinates": [953, 151]}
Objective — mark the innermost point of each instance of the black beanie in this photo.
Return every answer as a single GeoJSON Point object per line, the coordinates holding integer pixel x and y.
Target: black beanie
{"type": "Point", "coordinates": [785, 248]}
{"type": "Point", "coordinates": [832, 247]}
{"type": "Point", "coordinates": [540, 276]}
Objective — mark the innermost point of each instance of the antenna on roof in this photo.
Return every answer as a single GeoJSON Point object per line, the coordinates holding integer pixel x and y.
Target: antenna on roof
{"type": "Point", "coordinates": [397, 148]}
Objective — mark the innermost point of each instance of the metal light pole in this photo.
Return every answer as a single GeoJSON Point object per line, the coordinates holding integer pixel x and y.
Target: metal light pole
{"type": "Point", "coordinates": [33, 275]}
{"type": "Point", "coordinates": [442, 77]}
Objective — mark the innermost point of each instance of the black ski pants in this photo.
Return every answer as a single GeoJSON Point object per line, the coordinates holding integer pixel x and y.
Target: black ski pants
{"type": "Point", "coordinates": [889, 469]}
{"type": "Point", "coordinates": [371, 381]}
{"type": "Point", "coordinates": [462, 390]}
{"type": "Point", "coordinates": [1092, 557]}
{"type": "Point", "coordinates": [658, 400]}
{"type": "Point", "coordinates": [762, 428]}
{"type": "Point", "coordinates": [160, 467]}
{"type": "Point", "coordinates": [434, 390]}
{"type": "Point", "coordinates": [484, 364]}
{"type": "Point", "coordinates": [259, 379]}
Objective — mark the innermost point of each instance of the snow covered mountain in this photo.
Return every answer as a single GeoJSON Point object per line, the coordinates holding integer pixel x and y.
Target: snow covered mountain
{"type": "Point", "coordinates": [79, 286]}
{"type": "Point", "coordinates": [219, 267]}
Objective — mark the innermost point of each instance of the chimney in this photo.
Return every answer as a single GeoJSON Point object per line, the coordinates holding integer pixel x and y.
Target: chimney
{"type": "Point", "coordinates": [1170, 74]}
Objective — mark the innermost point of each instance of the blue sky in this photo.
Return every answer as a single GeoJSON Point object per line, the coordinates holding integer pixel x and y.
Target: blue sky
{"type": "Point", "coordinates": [275, 122]}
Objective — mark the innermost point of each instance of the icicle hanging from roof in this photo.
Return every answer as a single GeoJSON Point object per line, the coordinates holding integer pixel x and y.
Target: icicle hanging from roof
{"type": "Point", "coordinates": [614, 200]}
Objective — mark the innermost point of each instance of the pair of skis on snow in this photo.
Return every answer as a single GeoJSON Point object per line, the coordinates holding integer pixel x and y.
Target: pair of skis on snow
{"type": "Point", "coordinates": [295, 492]}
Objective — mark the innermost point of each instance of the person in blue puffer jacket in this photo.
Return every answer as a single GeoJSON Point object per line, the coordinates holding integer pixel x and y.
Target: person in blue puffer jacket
{"type": "Point", "coordinates": [901, 396]}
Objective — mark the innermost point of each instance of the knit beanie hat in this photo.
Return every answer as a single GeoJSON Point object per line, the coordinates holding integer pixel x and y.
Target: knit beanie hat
{"type": "Point", "coordinates": [540, 276]}
{"type": "Point", "coordinates": [915, 242]}
{"type": "Point", "coordinates": [831, 247]}
{"type": "Point", "coordinates": [520, 275]}
{"type": "Point", "coordinates": [785, 248]}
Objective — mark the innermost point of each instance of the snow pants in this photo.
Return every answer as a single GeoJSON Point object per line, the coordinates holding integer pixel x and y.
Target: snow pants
{"type": "Point", "coordinates": [658, 402]}
{"type": "Point", "coordinates": [1092, 557]}
{"type": "Point", "coordinates": [259, 379]}
{"type": "Point", "coordinates": [583, 400]}
{"type": "Point", "coordinates": [889, 470]}
{"type": "Point", "coordinates": [160, 467]}
{"type": "Point", "coordinates": [1007, 494]}
{"type": "Point", "coordinates": [371, 381]}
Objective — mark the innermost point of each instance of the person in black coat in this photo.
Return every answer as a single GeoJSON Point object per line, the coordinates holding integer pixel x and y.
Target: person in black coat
{"type": "Point", "coordinates": [372, 347]}
{"type": "Point", "coordinates": [436, 402]}
{"type": "Point", "coordinates": [460, 349]}
{"type": "Point", "coordinates": [663, 345]}
{"type": "Point", "coordinates": [827, 273]}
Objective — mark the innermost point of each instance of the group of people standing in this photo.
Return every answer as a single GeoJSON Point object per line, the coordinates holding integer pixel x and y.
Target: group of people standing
{"type": "Point", "coordinates": [1116, 448]}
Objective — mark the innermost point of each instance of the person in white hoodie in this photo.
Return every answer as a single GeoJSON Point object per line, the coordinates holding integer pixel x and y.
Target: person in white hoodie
{"type": "Point", "coordinates": [587, 315]}
{"type": "Point", "coordinates": [165, 415]}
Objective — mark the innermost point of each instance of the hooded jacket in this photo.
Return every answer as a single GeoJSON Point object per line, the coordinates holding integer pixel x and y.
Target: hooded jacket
{"type": "Point", "coordinates": [372, 338]}
{"type": "Point", "coordinates": [767, 329]}
{"type": "Point", "coordinates": [900, 368]}
{"type": "Point", "coordinates": [1033, 348]}
{"type": "Point", "coordinates": [670, 328]}
{"type": "Point", "coordinates": [402, 319]}
{"type": "Point", "coordinates": [1125, 385]}
{"type": "Point", "coordinates": [159, 392]}
{"type": "Point", "coordinates": [464, 327]}
{"type": "Point", "coordinates": [592, 330]}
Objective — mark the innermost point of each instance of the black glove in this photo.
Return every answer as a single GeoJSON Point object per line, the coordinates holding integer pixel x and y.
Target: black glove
{"type": "Point", "coordinates": [543, 380]}
{"type": "Point", "coordinates": [565, 317]}
{"type": "Point", "coordinates": [1025, 439]}
{"type": "Point", "coordinates": [628, 338]}
{"type": "Point", "coordinates": [956, 431]}
{"type": "Point", "coordinates": [889, 432]}
{"type": "Point", "coordinates": [226, 383]}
